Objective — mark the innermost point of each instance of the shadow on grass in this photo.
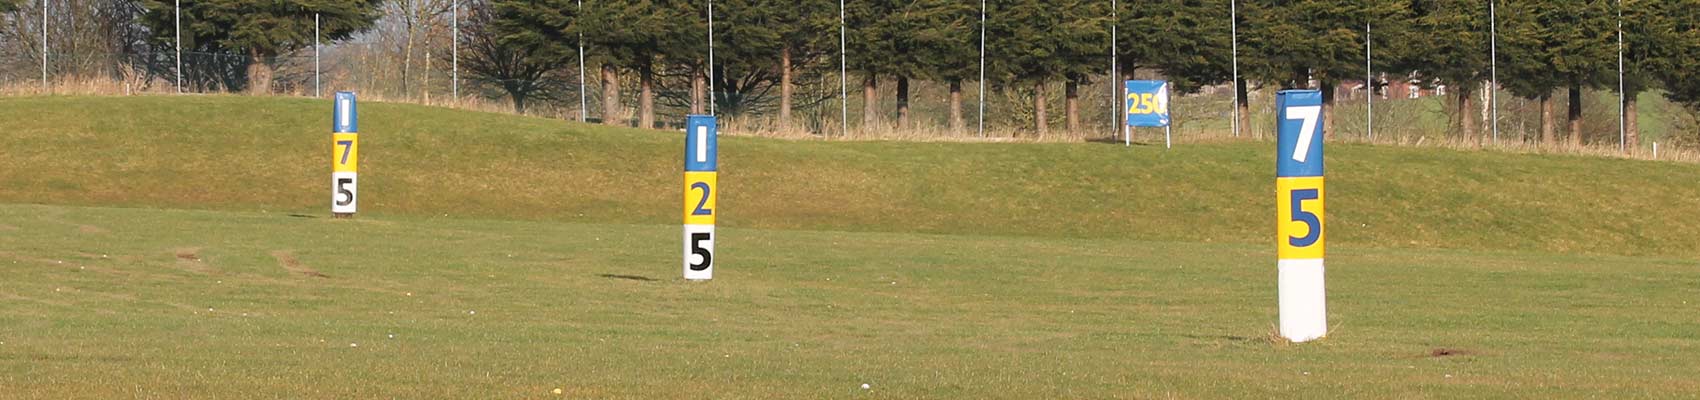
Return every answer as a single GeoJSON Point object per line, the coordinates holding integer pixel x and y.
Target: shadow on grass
{"type": "Point", "coordinates": [1117, 140]}
{"type": "Point", "coordinates": [628, 277]}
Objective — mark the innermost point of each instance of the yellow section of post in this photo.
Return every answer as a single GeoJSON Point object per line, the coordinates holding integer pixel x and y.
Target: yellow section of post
{"type": "Point", "coordinates": [1301, 223]}
{"type": "Point", "coordinates": [345, 152]}
{"type": "Point", "coordinates": [700, 193]}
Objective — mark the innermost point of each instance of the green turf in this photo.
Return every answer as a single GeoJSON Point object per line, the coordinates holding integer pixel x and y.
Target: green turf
{"type": "Point", "coordinates": [178, 247]}
{"type": "Point", "coordinates": [107, 303]}
{"type": "Point", "coordinates": [245, 153]}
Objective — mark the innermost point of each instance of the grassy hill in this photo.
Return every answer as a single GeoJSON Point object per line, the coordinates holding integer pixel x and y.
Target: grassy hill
{"type": "Point", "coordinates": [246, 153]}
{"type": "Point", "coordinates": [179, 247]}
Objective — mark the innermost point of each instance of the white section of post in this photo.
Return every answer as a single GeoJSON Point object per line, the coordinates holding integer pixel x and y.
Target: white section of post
{"type": "Point", "coordinates": [981, 116]}
{"type": "Point", "coordinates": [1622, 96]}
{"type": "Point", "coordinates": [583, 98]}
{"type": "Point", "coordinates": [1493, 40]}
{"type": "Point", "coordinates": [1234, 32]}
{"type": "Point", "coordinates": [318, 87]}
{"type": "Point", "coordinates": [711, 57]}
{"type": "Point", "coordinates": [454, 50]}
{"type": "Point", "coordinates": [843, 77]}
{"type": "Point", "coordinates": [1369, 86]}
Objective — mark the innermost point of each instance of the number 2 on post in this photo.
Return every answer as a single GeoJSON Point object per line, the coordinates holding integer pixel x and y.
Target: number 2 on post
{"type": "Point", "coordinates": [702, 202]}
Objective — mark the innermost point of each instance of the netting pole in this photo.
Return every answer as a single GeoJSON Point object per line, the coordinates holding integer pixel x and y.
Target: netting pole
{"type": "Point", "coordinates": [44, 87]}
{"type": "Point", "coordinates": [981, 115]}
{"type": "Point", "coordinates": [454, 51]}
{"type": "Point", "coordinates": [318, 88]}
{"type": "Point", "coordinates": [1493, 92]}
{"type": "Point", "coordinates": [177, 19]}
{"type": "Point", "coordinates": [583, 98]}
{"type": "Point", "coordinates": [1234, 32]}
{"type": "Point", "coordinates": [711, 57]}
{"type": "Point", "coordinates": [1116, 98]}
{"type": "Point", "coordinates": [1622, 96]}
{"type": "Point", "coordinates": [843, 77]}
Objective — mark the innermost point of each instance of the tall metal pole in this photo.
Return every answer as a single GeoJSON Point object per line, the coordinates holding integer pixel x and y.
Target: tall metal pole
{"type": "Point", "coordinates": [1369, 86]}
{"type": "Point", "coordinates": [1234, 31]}
{"type": "Point", "coordinates": [1622, 96]}
{"type": "Point", "coordinates": [711, 57]}
{"type": "Point", "coordinates": [454, 50]}
{"type": "Point", "coordinates": [583, 98]}
{"type": "Point", "coordinates": [44, 46]}
{"type": "Point", "coordinates": [1493, 92]}
{"type": "Point", "coordinates": [318, 88]}
{"type": "Point", "coordinates": [981, 116]}
{"type": "Point", "coordinates": [177, 19]}
{"type": "Point", "coordinates": [1116, 98]}
{"type": "Point", "coordinates": [843, 77]}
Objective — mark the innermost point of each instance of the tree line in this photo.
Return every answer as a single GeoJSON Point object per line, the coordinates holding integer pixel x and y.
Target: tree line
{"type": "Point", "coordinates": [1544, 47]}
{"type": "Point", "coordinates": [765, 48]}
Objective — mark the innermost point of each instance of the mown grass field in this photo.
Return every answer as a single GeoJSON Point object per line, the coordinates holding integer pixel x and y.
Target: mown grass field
{"type": "Point", "coordinates": [178, 247]}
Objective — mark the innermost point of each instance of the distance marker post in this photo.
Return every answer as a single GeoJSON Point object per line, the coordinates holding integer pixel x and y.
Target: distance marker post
{"type": "Point", "coordinates": [701, 186]}
{"type": "Point", "coordinates": [1147, 106]}
{"type": "Point", "coordinates": [1299, 197]}
{"type": "Point", "coordinates": [345, 156]}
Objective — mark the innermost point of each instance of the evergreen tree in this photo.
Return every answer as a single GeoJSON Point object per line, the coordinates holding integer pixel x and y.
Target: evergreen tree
{"type": "Point", "coordinates": [1677, 73]}
{"type": "Point", "coordinates": [1032, 43]}
{"type": "Point", "coordinates": [1189, 41]}
{"type": "Point", "coordinates": [1554, 44]}
{"type": "Point", "coordinates": [499, 51]}
{"type": "Point", "coordinates": [1658, 38]}
{"type": "Point", "coordinates": [872, 48]}
{"type": "Point", "coordinates": [952, 44]}
{"type": "Point", "coordinates": [257, 29]}
{"type": "Point", "coordinates": [1081, 40]}
{"type": "Point", "coordinates": [1448, 40]}
{"type": "Point", "coordinates": [1292, 42]}
{"type": "Point", "coordinates": [783, 36]}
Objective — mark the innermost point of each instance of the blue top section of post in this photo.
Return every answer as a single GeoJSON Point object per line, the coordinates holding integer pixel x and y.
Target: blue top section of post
{"type": "Point", "coordinates": [1147, 103]}
{"type": "Point", "coordinates": [1298, 122]}
{"type": "Point", "coordinates": [701, 143]}
{"type": "Point", "coordinates": [345, 118]}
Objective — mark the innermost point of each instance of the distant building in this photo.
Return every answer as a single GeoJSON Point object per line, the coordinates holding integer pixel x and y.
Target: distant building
{"type": "Point", "coordinates": [1407, 88]}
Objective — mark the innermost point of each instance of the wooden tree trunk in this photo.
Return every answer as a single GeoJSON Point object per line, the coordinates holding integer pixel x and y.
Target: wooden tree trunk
{"type": "Point", "coordinates": [1575, 115]}
{"type": "Point", "coordinates": [699, 85]}
{"type": "Point", "coordinates": [785, 90]}
{"type": "Point", "coordinates": [1039, 116]}
{"type": "Point", "coordinates": [1632, 130]}
{"type": "Point", "coordinates": [1245, 108]}
{"type": "Point", "coordinates": [519, 102]}
{"type": "Point", "coordinates": [610, 96]}
{"type": "Point", "coordinates": [1548, 122]}
{"type": "Point", "coordinates": [1467, 117]}
{"type": "Point", "coordinates": [956, 122]}
{"type": "Point", "coordinates": [1327, 110]}
{"type": "Point", "coordinates": [1071, 105]}
{"type": "Point", "coordinates": [902, 102]}
{"type": "Point", "coordinates": [646, 99]}
{"type": "Point", "coordinates": [870, 102]}
{"type": "Point", "coordinates": [259, 74]}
